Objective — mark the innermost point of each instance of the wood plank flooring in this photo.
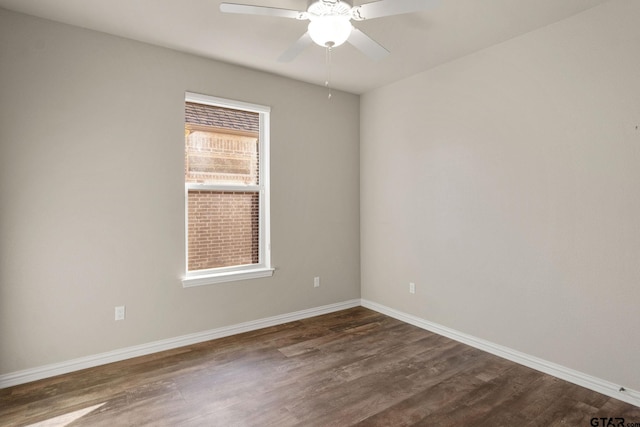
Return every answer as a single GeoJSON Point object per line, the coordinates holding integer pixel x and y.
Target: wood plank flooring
{"type": "Point", "coordinates": [353, 367]}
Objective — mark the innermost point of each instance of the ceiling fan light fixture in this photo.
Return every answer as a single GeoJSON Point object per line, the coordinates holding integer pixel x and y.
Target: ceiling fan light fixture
{"type": "Point", "coordinates": [330, 22]}
{"type": "Point", "coordinates": [330, 31]}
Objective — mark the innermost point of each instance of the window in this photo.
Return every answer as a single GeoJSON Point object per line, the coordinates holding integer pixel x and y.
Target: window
{"type": "Point", "coordinates": [226, 190]}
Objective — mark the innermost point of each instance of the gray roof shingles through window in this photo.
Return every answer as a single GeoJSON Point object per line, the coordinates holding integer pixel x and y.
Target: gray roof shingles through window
{"type": "Point", "coordinates": [208, 115]}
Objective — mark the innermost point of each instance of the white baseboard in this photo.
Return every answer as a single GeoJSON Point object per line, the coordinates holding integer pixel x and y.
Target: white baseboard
{"type": "Point", "coordinates": [596, 384]}
{"type": "Point", "coordinates": [28, 375]}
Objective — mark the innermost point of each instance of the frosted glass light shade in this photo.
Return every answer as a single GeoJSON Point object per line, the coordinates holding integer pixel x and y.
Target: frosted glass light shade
{"type": "Point", "coordinates": [330, 31]}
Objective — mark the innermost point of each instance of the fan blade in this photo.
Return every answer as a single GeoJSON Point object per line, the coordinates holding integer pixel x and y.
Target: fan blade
{"type": "Point", "coordinates": [383, 8]}
{"type": "Point", "coordinates": [261, 10]}
{"type": "Point", "coordinates": [367, 45]}
{"type": "Point", "coordinates": [296, 48]}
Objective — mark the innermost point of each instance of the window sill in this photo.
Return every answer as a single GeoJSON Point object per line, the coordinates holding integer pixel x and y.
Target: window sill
{"type": "Point", "coordinates": [229, 276]}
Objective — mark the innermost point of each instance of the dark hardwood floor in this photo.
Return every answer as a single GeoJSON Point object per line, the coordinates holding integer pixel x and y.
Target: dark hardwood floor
{"type": "Point", "coordinates": [353, 367]}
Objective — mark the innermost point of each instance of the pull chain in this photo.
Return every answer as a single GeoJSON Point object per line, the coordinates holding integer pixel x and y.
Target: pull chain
{"type": "Point", "coordinates": [328, 66]}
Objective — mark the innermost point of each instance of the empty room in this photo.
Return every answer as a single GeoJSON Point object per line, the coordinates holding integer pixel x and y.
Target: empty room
{"type": "Point", "coordinates": [320, 213]}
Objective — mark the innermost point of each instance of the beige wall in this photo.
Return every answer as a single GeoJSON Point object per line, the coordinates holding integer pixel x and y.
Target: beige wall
{"type": "Point", "coordinates": [506, 185]}
{"type": "Point", "coordinates": [92, 194]}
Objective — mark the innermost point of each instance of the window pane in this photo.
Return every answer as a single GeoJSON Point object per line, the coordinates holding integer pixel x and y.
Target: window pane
{"type": "Point", "coordinates": [221, 145]}
{"type": "Point", "coordinates": [222, 229]}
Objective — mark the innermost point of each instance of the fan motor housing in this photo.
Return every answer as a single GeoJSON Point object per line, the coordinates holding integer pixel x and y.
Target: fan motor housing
{"type": "Point", "coordinates": [329, 7]}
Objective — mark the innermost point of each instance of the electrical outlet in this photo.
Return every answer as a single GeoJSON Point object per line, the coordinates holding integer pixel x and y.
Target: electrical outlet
{"type": "Point", "coordinates": [120, 312]}
{"type": "Point", "coordinates": [316, 282]}
{"type": "Point", "coordinates": [412, 288]}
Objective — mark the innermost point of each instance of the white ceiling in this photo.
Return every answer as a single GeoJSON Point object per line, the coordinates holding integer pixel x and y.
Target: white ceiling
{"type": "Point", "coordinates": [417, 41]}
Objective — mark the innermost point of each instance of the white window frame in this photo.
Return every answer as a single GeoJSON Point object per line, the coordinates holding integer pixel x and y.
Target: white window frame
{"type": "Point", "coordinates": [237, 272]}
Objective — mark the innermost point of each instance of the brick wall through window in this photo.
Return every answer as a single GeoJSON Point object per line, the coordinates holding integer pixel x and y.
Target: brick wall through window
{"type": "Point", "coordinates": [223, 229]}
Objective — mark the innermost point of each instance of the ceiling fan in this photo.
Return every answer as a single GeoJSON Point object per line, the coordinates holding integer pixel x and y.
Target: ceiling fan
{"type": "Point", "coordinates": [330, 22]}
